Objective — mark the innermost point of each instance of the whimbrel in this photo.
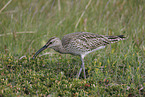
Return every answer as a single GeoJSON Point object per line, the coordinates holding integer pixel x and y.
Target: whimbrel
{"type": "Point", "coordinates": [79, 43]}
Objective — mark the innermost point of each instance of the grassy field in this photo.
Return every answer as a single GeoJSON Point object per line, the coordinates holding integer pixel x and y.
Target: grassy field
{"type": "Point", "coordinates": [117, 70]}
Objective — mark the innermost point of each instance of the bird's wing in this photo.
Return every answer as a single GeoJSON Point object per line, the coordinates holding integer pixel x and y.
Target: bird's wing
{"type": "Point", "coordinates": [91, 41]}
{"type": "Point", "coordinates": [85, 40]}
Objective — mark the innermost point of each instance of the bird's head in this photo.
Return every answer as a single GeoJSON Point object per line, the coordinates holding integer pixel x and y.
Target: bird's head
{"type": "Point", "coordinates": [51, 43]}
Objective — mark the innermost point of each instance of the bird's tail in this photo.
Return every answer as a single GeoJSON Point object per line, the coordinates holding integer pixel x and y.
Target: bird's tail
{"type": "Point", "coordinates": [114, 39]}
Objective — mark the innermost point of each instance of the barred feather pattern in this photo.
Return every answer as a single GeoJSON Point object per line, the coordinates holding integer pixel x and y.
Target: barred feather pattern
{"type": "Point", "coordinates": [81, 42]}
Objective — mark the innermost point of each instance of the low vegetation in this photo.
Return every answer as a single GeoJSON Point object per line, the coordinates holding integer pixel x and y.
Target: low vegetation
{"type": "Point", "coordinates": [117, 70]}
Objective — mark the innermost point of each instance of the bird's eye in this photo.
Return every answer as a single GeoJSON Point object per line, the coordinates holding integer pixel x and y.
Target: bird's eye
{"type": "Point", "coordinates": [50, 43]}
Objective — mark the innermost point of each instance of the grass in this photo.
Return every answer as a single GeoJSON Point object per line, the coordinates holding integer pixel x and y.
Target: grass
{"type": "Point", "coordinates": [117, 70]}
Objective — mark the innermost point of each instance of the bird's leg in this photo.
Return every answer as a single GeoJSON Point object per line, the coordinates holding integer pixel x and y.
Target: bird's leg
{"type": "Point", "coordinates": [79, 72]}
{"type": "Point", "coordinates": [82, 59]}
{"type": "Point", "coordinates": [82, 67]}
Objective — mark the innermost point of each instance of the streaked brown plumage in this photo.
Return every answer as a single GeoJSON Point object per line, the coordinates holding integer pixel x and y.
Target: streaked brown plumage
{"type": "Point", "coordinates": [80, 43]}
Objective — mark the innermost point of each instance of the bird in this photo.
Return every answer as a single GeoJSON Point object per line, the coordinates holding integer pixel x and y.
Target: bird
{"type": "Point", "coordinates": [80, 44]}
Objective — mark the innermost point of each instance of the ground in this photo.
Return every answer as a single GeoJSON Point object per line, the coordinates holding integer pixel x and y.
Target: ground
{"type": "Point", "coordinates": [117, 70]}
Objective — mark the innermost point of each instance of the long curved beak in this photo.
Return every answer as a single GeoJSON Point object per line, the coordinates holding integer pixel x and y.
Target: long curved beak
{"type": "Point", "coordinates": [40, 50]}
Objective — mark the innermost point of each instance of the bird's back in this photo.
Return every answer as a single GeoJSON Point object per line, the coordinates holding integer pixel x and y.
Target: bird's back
{"type": "Point", "coordinates": [81, 42]}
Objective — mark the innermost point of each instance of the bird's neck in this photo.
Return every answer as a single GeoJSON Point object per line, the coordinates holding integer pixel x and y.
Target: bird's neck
{"type": "Point", "coordinates": [60, 49]}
